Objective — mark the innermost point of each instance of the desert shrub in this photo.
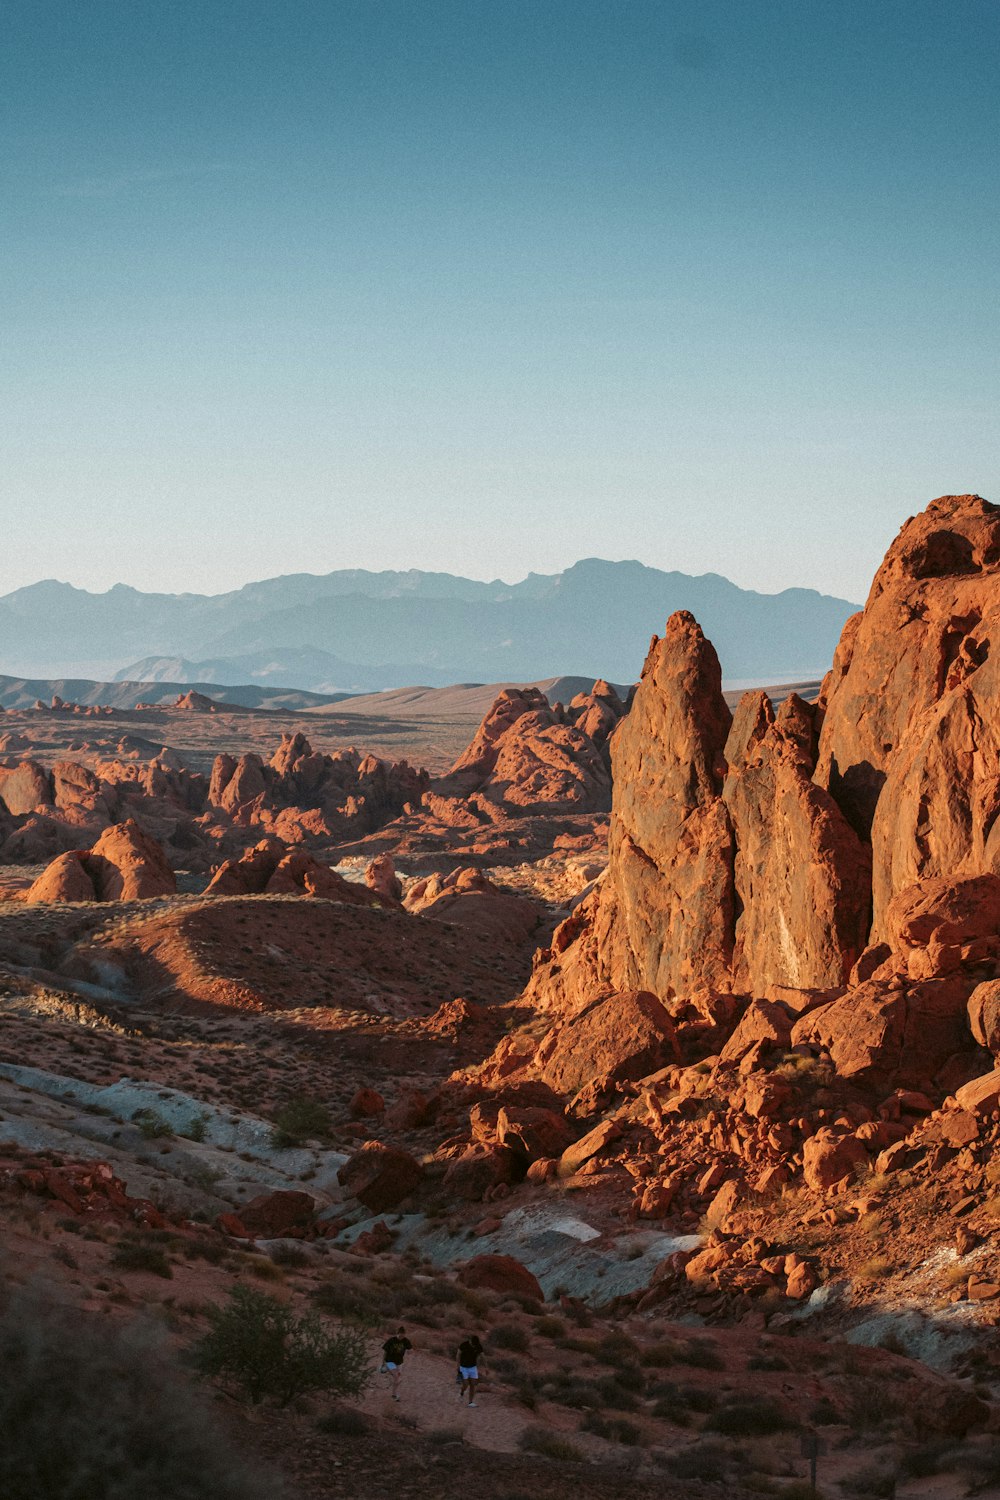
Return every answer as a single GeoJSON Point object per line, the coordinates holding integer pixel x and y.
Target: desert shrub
{"type": "Point", "coordinates": [659, 1355]}
{"type": "Point", "coordinates": [702, 1354]}
{"type": "Point", "coordinates": [617, 1349]}
{"type": "Point", "coordinates": [355, 1299]}
{"type": "Point", "coordinates": [767, 1362]}
{"type": "Point", "coordinates": [88, 1410]}
{"type": "Point", "coordinates": [874, 1269]}
{"type": "Point", "coordinates": [550, 1327]}
{"type": "Point", "coordinates": [343, 1421]}
{"type": "Point", "coordinates": [675, 1402]}
{"type": "Point", "coordinates": [630, 1378]}
{"type": "Point", "coordinates": [196, 1128]}
{"type": "Point", "coordinates": [290, 1256]}
{"type": "Point", "coordinates": [613, 1429]}
{"type": "Point", "coordinates": [576, 1345]}
{"type": "Point", "coordinates": [509, 1336]}
{"type": "Point", "coordinates": [550, 1445]}
{"type": "Point", "coordinates": [613, 1394]}
{"type": "Point", "coordinates": [874, 1482]}
{"type": "Point", "coordinates": [704, 1460]}
{"type": "Point", "coordinates": [257, 1342]}
{"type": "Point", "coordinates": [134, 1255]}
{"type": "Point", "coordinates": [871, 1403]}
{"type": "Point", "coordinates": [749, 1418]}
{"type": "Point", "coordinates": [152, 1126]}
{"type": "Point", "coordinates": [301, 1119]}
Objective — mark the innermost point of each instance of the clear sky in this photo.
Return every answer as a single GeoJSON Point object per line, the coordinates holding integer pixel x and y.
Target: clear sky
{"type": "Point", "coordinates": [492, 285]}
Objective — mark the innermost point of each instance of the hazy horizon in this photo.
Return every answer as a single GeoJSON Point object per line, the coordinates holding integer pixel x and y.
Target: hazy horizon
{"type": "Point", "coordinates": [480, 288]}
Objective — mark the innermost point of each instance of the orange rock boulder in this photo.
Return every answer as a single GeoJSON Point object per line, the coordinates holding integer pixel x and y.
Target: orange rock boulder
{"type": "Point", "coordinates": [124, 865]}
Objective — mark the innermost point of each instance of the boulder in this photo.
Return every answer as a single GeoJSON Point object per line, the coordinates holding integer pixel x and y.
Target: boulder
{"type": "Point", "coordinates": [476, 1174]}
{"type": "Point", "coordinates": [802, 1278]}
{"type": "Point", "coordinates": [762, 1021]}
{"type": "Point", "coordinates": [984, 1015]}
{"type": "Point", "coordinates": [614, 1038]}
{"type": "Point", "coordinates": [946, 913]}
{"type": "Point", "coordinates": [381, 877]}
{"type": "Point", "coordinates": [126, 864]}
{"type": "Point", "coordinates": [380, 1176]}
{"type": "Point", "coordinates": [271, 1215]}
{"type": "Point", "coordinates": [981, 1097]}
{"type": "Point", "coordinates": [533, 1133]}
{"type": "Point", "coordinates": [588, 1147]}
{"type": "Point", "coordinates": [65, 879]}
{"type": "Point", "coordinates": [888, 1033]}
{"type": "Point", "coordinates": [26, 788]}
{"type": "Point", "coordinates": [829, 1158]}
{"type": "Point", "coordinates": [502, 1274]}
{"type": "Point", "coordinates": [366, 1104]}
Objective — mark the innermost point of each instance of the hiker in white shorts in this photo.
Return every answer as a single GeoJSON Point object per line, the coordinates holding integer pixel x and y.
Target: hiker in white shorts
{"type": "Point", "coordinates": [393, 1353]}
{"type": "Point", "coordinates": [469, 1351]}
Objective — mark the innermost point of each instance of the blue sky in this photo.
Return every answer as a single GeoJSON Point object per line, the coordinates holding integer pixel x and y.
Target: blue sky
{"type": "Point", "coordinates": [492, 285]}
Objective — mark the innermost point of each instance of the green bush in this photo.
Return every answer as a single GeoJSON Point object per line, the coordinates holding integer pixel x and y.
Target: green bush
{"type": "Point", "coordinates": [257, 1342]}
{"type": "Point", "coordinates": [152, 1126]}
{"type": "Point", "coordinates": [301, 1119]}
{"type": "Point", "coordinates": [89, 1412]}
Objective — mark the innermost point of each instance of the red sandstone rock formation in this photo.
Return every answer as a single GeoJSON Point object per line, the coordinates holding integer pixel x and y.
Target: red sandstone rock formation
{"type": "Point", "coordinates": [381, 877]}
{"type": "Point", "coordinates": [470, 899]}
{"type": "Point", "coordinates": [908, 745]}
{"type": "Point", "coordinates": [739, 855]}
{"type": "Point", "coordinates": [273, 869]}
{"type": "Point", "coordinates": [802, 873]}
{"type": "Point", "coordinates": [124, 865]}
{"type": "Point", "coordinates": [300, 795]}
{"type": "Point", "coordinates": [527, 756]}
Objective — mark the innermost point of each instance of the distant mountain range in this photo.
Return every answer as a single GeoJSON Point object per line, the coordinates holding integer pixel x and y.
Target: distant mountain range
{"type": "Point", "coordinates": [355, 631]}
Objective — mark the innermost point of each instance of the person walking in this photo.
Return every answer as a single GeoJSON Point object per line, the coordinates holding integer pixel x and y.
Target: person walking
{"type": "Point", "coordinates": [469, 1353]}
{"type": "Point", "coordinates": [393, 1353]}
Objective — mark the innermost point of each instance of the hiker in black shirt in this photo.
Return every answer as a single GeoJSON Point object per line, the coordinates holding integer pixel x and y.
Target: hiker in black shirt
{"type": "Point", "coordinates": [469, 1351]}
{"type": "Point", "coordinates": [393, 1353]}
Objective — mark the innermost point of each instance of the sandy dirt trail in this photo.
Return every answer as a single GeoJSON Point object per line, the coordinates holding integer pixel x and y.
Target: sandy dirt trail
{"type": "Point", "coordinates": [429, 1400]}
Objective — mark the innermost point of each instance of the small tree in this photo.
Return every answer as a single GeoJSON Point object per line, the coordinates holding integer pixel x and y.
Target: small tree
{"type": "Point", "coordinates": [301, 1119]}
{"type": "Point", "coordinates": [257, 1342]}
